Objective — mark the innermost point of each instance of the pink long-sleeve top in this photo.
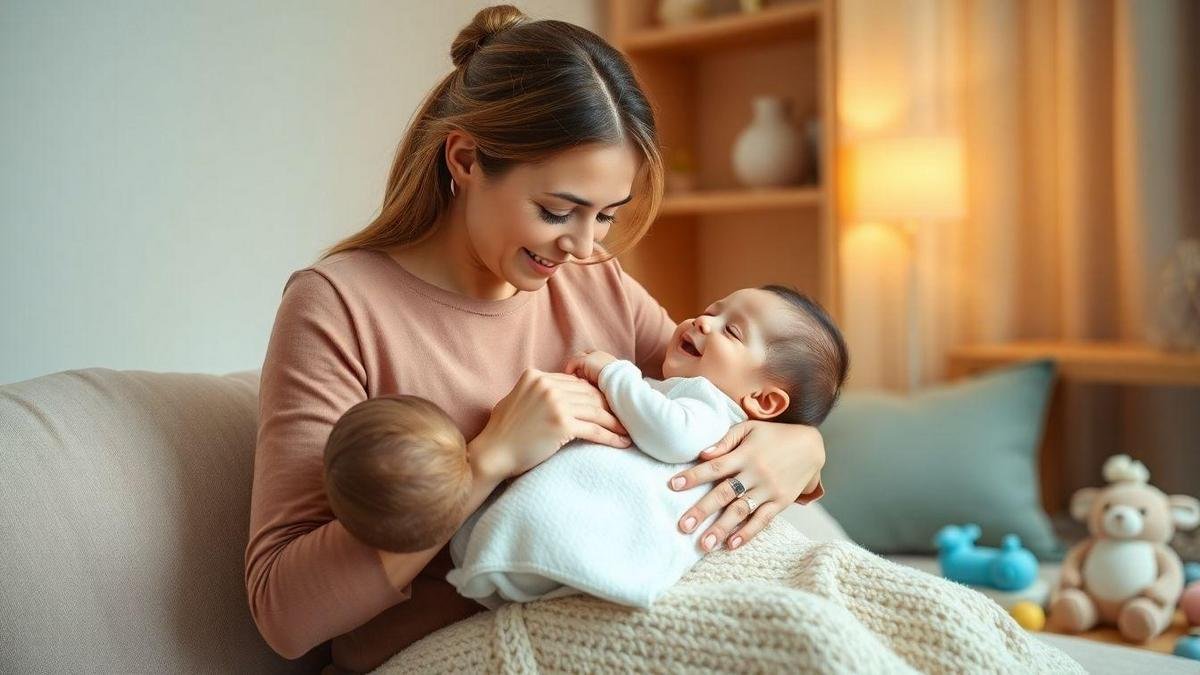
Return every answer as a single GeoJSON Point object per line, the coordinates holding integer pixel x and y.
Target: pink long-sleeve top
{"type": "Point", "coordinates": [357, 325]}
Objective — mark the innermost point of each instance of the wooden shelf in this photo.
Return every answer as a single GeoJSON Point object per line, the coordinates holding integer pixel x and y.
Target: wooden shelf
{"type": "Point", "coordinates": [1095, 362]}
{"type": "Point", "coordinates": [726, 32]}
{"type": "Point", "coordinates": [749, 199]}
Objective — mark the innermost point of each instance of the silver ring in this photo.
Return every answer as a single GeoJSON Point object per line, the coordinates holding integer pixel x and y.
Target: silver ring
{"type": "Point", "coordinates": [751, 503]}
{"type": "Point", "coordinates": [452, 193]}
{"type": "Point", "coordinates": [738, 488]}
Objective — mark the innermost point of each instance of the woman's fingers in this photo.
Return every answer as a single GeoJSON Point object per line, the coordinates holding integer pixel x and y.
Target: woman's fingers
{"type": "Point", "coordinates": [590, 431]}
{"type": "Point", "coordinates": [715, 499]}
{"type": "Point", "coordinates": [598, 416]}
{"type": "Point", "coordinates": [728, 442]}
{"type": "Point", "coordinates": [736, 510]}
{"type": "Point", "coordinates": [762, 515]}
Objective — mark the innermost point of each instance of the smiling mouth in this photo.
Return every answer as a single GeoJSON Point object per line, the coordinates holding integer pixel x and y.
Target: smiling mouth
{"type": "Point", "coordinates": [540, 260]}
{"type": "Point", "coordinates": [686, 344]}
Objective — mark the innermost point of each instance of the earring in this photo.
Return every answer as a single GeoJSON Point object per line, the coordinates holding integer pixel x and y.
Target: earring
{"type": "Point", "coordinates": [452, 192]}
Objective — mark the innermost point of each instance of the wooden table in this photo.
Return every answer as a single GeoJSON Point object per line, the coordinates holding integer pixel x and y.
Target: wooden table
{"type": "Point", "coordinates": [1091, 362]}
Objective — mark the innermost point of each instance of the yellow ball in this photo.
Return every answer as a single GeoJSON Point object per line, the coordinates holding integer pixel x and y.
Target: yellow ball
{"type": "Point", "coordinates": [1028, 615]}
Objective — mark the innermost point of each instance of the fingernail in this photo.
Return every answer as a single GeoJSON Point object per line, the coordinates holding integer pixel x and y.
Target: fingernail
{"type": "Point", "coordinates": [737, 541]}
{"type": "Point", "coordinates": [709, 542]}
{"type": "Point", "coordinates": [677, 482]}
{"type": "Point", "coordinates": [688, 524]}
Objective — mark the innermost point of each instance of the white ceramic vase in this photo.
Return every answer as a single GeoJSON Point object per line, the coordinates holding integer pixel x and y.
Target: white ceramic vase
{"type": "Point", "coordinates": [770, 151]}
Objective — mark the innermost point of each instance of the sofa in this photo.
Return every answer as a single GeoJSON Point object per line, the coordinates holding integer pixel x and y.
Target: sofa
{"type": "Point", "coordinates": [124, 506]}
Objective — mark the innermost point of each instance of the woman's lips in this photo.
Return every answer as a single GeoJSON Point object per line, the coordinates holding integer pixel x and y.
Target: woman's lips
{"type": "Point", "coordinates": [537, 265]}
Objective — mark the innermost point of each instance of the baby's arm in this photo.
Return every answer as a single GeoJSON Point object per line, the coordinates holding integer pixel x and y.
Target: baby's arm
{"type": "Point", "coordinates": [672, 430]}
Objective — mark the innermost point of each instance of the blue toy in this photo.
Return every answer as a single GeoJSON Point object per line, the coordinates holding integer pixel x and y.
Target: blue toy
{"type": "Point", "coordinates": [1188, 646]}
{"type": "Point", "coordinates": [1191, 572]}
{"type": "Point", "coordinates": [1008, 568]}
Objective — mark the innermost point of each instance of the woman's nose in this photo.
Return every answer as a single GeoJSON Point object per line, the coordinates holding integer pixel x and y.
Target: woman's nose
{"type": "Point", "coordinates": [579, 247]}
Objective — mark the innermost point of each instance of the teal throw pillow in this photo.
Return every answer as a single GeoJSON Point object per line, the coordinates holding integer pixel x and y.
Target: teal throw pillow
{"type": "Point", "coordinates": [898, 468]}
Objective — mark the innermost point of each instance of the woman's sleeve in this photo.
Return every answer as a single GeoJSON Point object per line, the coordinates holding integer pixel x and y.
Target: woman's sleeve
{"type": "Point", "coordinates": [651, 324]}
{"type": "Point", "coordinates": [308, 580]}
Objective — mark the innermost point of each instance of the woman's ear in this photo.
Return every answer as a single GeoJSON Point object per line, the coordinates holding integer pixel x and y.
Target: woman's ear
{"type": "Point", "coordinates": [460, 155]}
{"type": "Point", "coordinates": [765, 403]}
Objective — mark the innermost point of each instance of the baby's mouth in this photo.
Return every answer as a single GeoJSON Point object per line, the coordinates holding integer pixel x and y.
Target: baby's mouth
{"type": "Point", "coordinates": [686, 344]}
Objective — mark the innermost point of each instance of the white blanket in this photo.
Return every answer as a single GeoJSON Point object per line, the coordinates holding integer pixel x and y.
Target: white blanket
{"type": "Point", "coordinates": [598, 519]}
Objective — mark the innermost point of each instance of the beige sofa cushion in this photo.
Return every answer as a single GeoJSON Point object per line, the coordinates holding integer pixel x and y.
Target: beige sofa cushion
{"type": "Point", "coordinates": [124, 507]}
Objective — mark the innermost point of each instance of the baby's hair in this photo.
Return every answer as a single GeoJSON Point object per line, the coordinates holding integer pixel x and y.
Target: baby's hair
{"type": "Point", "coordinates": [396, 473]}
{"type": "Point", "coordinates": [810, 363]}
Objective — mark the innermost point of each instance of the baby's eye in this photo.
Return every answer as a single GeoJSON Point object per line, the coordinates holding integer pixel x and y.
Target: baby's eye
{"type": "Point", "coordinates": [729, 329]}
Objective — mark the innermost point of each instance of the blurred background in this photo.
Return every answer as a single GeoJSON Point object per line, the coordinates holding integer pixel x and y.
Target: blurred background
{"type": "Point", "coordinates": [966, 184]}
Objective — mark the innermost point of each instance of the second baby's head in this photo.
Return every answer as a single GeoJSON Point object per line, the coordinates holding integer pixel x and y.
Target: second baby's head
{"type": "Point", "coordinates": [773, 350]}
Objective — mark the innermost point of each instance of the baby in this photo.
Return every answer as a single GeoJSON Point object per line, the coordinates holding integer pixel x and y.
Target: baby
{"type": "Point", "coordinates": [592, 518]}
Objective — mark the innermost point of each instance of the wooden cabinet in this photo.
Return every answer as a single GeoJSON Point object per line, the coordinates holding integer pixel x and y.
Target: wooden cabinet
{"type": "Point", "coordinates": [701, 79]}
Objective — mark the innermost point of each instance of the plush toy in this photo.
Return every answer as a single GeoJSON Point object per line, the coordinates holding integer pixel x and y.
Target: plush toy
{"type": "Point", "coordinates": [1124, 573]}
{"type": "Point", "coordinates": [1008, 568]}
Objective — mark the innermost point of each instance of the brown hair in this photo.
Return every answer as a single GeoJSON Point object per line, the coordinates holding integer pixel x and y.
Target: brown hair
{"type": "Point", "coordinates": [396, 473]}
{"type": "Point", "coordinates": [523, 90]}
{"type": "Point", "coordinates": [810, 363]}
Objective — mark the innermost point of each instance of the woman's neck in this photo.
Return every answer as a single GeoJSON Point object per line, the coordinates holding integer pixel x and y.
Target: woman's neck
{"type": "Point", "coordinates": [448, 260]}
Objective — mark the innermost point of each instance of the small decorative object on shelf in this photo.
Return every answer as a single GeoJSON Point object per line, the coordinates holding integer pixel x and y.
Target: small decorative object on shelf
{"type": "Point", "coordinates": [679, 12]}
{"type": "Point", "coordinates": [1177, 324]}
{"type": "Point", "coordinates": [681, 171]}
{"type": "Point", "coordinates": [770, 151]}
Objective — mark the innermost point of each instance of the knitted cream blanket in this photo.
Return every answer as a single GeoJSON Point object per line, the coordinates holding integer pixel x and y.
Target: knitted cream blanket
{"type": "Point", "coordinates": [780, 603]}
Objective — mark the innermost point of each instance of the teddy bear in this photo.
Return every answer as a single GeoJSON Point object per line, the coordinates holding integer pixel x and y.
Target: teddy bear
{"type": "Point", "coordinates": [1124, 573]}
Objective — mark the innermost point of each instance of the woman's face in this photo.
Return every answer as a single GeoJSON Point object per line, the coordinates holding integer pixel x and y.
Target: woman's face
{"type": "Point", "coordinates": [525, 224]}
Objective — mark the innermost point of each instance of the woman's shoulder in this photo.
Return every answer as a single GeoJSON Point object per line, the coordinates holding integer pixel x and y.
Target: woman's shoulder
{"type": "Point", "coordinates": [358, 273]}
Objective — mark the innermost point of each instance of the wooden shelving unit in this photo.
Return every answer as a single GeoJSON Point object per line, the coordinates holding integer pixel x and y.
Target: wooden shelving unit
{"type": "Point", "coordinates": [701, 78]}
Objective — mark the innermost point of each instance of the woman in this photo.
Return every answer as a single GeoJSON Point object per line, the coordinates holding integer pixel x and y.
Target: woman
{"type": "Point", "coordinates": [470, 280]}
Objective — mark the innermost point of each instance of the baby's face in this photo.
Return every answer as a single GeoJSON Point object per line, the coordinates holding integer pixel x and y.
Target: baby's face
{"type": "Point", "coordinates": [728, 343]}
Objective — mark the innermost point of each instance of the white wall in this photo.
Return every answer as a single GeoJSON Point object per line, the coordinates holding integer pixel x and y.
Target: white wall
{"type": "Point", "coordinates": [165, 165]}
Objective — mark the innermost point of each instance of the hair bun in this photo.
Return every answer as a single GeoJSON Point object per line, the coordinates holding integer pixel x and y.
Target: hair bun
{"type": "Point", "coordinates": [487, 22]}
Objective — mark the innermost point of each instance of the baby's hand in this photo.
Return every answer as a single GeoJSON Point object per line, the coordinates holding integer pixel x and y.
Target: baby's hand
{"type": "Point", "coordinates": [588, 364]}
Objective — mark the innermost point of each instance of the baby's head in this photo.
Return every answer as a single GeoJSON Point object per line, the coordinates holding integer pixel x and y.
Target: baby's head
{"type": "Point", "coordinates": [773, 350]}
{"type": "Point", "coordinates": [396, 473]}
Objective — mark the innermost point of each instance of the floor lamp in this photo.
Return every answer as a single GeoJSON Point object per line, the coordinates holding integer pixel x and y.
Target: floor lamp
{"type": "Point", "coordinates": [904, 181]}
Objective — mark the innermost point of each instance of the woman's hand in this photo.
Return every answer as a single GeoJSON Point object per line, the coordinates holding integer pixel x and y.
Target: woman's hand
{"type": "Point", "coordinates": [543, 412]}
{"type": "Point", "coordinates": [773, 461]}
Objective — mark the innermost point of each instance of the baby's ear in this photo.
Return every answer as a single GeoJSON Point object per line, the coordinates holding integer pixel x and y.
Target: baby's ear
{"type": "Point", "coordinates": [765, 403]}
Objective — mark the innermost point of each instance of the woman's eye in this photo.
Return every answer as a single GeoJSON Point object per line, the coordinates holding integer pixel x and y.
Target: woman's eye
{"type": "Point", "coordinates": [606, 219]}
{"type": "Point", "coordinates": [553, 218]}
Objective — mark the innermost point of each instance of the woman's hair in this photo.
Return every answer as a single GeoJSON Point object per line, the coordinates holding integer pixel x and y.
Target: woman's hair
{"type": "Point", "coordinates": [524, 90]}
{"type": "Point", "coordinates": [396, 473]}
{"type": "Point", "coordinates": [810, 362]}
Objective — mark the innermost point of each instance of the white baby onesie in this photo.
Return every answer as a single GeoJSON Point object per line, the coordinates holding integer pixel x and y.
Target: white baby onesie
{"type": "Point", "coordinates": [597, 519]}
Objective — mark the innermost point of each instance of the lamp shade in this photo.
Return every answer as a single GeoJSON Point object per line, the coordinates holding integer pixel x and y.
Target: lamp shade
{"type": "Point", "coordinates": [911, 177]}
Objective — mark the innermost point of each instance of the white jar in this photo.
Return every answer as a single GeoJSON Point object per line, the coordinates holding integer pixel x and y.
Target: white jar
{"type": "Point", "coordinates": [770, 151]}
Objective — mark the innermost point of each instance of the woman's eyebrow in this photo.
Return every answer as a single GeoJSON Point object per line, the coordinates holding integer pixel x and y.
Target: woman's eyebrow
{"type": "Point", "coordinates": [583, 202]}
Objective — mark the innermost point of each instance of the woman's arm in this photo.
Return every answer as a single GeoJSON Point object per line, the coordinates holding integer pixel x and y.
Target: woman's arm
{"type": "Point", "coordinates": [307, 578]}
